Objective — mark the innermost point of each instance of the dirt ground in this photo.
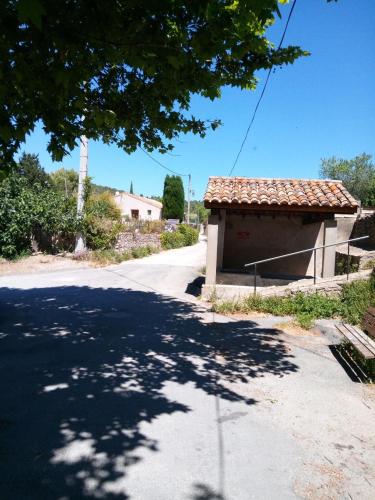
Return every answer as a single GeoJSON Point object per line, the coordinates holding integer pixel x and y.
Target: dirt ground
{"type": "Point", "coordinates": [39, 263]}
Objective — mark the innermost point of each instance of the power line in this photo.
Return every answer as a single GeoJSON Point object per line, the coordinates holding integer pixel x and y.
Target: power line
{"type": "Point", "coordinates": [262, 93]}
{"type": "Point", "coordinates": [161, 164]}
{"type": "Point", "coordinates": [176, 173]}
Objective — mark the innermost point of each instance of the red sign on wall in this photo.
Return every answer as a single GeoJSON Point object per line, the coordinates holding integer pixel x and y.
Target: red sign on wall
{"type": "Point", "coordinates": [243, 235]}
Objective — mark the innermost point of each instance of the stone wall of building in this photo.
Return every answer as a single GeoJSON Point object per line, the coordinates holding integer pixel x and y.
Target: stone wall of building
{"type": "Point", "coordinates": [365, 226]}
{"type": "Point", "coordinates": [249, 238]}
{"type": "Point", "coordinates": [128, 241]}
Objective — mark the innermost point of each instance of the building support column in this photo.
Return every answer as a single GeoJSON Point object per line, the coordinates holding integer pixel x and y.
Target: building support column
{"type": "Point", "coordinates": [212, 249]}
{"type": "Point", "coordinates": [329, 254]}
{"type": "Point", "coordinates": [221, 235]}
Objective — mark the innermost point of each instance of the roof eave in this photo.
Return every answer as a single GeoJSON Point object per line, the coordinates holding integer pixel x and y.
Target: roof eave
{"type": "Point", "coordinates": [282, 208]}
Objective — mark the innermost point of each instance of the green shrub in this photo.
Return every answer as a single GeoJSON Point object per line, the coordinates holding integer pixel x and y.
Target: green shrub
{"type": "Point", "coordinates": [184, 236]}
{"type": "Point", "coordinates": [111, 256]}
{"type": "Point", "coordinates": [102, 222]}
{"type": "Point", "coordinates": [190, 234]}
{"type": "Point", "coordinates": [152, 226]}
{"type": "Point", "coordinates": [37, 212]}
{"type": "Point", "coordinates": [351, 305]}
{"type": "Point", "coordinates": [342, 266]}
{"type": "Point", "coordinates": [172, 240]}
{"type": "Point", "coordinates": [140, 252]}
{"type": "Point", "coordinates": [101, 233]}
{"type": "Point", "coordinates": [356, 297]}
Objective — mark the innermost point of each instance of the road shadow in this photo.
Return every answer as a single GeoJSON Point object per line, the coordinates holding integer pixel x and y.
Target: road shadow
{"type": "Point", "coordinates": [82, 368]}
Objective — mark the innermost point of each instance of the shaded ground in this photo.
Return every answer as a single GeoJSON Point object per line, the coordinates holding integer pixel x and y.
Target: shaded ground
{"type": "Point", "coordinates": [112, 389]}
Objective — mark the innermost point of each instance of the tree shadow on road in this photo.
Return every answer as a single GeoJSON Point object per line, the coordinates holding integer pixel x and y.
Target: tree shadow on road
{"type": "Point", "coordinates": [82, 368]}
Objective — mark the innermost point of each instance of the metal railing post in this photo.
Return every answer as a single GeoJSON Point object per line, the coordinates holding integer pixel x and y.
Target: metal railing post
{"type": "Point", "coordinates": [314, 249]}
{"type": "Point", "coordinates": [255, 279]}
{"type": "Point", "coordinates": [347, 264]}
{"type": "Point", "coordinates": [315, 266]}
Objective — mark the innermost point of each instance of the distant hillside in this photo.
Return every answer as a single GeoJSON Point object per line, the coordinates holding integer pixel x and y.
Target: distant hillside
{"type": "Point", "coordinates": [98, 188]}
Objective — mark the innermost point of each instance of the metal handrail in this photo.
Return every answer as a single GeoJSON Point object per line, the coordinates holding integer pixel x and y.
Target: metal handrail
{"type": "Point", "coordinates": [313, 249]}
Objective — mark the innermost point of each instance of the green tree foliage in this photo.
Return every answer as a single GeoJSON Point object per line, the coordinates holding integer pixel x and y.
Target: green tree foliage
{"type": "Point", "coordinates": [35, 211]}
{"type": "Point", "coordinates": [29, 167]}
{"type": "Point", "coordinates": [129, 67]}
{"type": "Point", "coordinates": [65, 181]}
{"type": "Point", "coordinates": [35, 207]}
{"type": "Point", "coordinates": [173, 198]}
{"type": "Point", "coordinates": [197, 211]}
{"type": "Point", "coordinates": [131, 188]}
{"type": "Point", "coordinates": [357, 175]}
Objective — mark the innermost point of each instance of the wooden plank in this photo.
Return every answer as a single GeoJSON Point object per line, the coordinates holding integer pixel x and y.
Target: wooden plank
{"type": "Point", "coordinates": [355, 340]}
{"type": "Point", "coordinates": [361, 338]}
{"type": "Point", "coordinates": [370, 343]}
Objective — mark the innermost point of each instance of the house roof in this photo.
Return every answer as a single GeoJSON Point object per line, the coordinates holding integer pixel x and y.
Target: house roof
{"type": "Point", "coordinates": [150, 201]}
{"type": "Point", "coordinates": [307, 195]}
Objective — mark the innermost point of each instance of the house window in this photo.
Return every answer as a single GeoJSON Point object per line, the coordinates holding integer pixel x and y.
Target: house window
{"type": "Point", "coordinates": [135, 214]}
{"type": "Point", "coordinates": [148, 212]}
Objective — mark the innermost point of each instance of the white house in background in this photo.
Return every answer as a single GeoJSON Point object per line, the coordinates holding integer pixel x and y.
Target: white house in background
{"type": "Point", "coordinates": [138, 207]}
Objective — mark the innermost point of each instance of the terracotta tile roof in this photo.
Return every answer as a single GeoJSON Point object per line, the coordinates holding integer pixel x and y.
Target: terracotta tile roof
{"type": "Point", "coordinates": [321, 195]}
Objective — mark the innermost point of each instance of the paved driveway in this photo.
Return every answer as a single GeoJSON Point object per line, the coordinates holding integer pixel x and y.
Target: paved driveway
{"type": "Point", "coordinates": [114, 386]}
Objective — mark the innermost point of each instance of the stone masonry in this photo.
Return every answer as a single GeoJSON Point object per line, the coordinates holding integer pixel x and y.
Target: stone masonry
{"type": "Point", "coordinates": [129, 241]}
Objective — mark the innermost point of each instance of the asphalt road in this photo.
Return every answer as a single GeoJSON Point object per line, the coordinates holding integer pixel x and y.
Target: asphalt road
{"type": "Point", "coordinates": [116, 383]}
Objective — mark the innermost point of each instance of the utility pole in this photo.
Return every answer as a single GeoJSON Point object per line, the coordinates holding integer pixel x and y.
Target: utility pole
{"type": "Point", "coordinates": [188, 209]}
{"type": "Point", "coordinates": [83, 167]}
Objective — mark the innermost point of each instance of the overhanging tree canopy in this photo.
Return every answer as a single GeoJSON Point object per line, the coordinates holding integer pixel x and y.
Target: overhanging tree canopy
{"type": "Point", "coordinates": [130, 67]}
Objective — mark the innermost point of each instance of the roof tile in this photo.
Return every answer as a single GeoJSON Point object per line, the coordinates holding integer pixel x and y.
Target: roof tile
{"type": "Point", "coordinates": [326, 194]}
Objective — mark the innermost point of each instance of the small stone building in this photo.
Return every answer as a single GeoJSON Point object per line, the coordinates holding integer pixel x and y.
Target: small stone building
{"type": "Point", "coordinates": [255, 219]}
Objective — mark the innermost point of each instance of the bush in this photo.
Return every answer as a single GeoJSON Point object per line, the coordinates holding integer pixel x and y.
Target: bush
{"type": "Point", "coordinates": [351, 305]}
{"type": "Point", "coordinates": [138, 253]}
{"type": "Point", "coordinates": [190, 234]}
{"type": "Point", "coordinates": [356, 297]}
{"type": "Point", "coordinates": [100, 233]}
{"type": "Point", "coordinates": [37, 212]}
{"type": "Point", "coordinates": [111, 256]}
{"type": "Point", "coordinates": [153, 226]}
{"type": "Point", "coordinates": [172, 240]}
{"type": "Point", "coordinates": [183, 237]}
{"type": "Point", "coordinates": [102, 222]}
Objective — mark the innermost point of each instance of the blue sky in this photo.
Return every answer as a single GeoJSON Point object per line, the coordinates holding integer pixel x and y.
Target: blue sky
{"type": "Point", "coordinates": [321, 106]}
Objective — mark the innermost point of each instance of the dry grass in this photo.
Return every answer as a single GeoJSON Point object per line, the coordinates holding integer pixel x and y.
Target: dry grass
{"type": "Point", "coordinates": [39, 262]}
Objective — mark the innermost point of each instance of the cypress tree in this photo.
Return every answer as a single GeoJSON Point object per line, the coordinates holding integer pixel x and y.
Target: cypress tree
{"type": "Point", "coordinates": [131, 187]}
{"type": "Point", "coordinates": [173, 198]}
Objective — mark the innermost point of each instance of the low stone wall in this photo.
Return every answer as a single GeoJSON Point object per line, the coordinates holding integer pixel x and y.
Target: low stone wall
{"type": "Point", "coordinates": [359, 259]}
{"type": "Point", "coordinates": [128, 241]}
{"type": "Point", "coordinates": [329, 286]}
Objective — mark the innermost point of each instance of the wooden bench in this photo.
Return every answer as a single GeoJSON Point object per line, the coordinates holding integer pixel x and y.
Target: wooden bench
{"type": "Point", "coordinates": [363, 342]}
